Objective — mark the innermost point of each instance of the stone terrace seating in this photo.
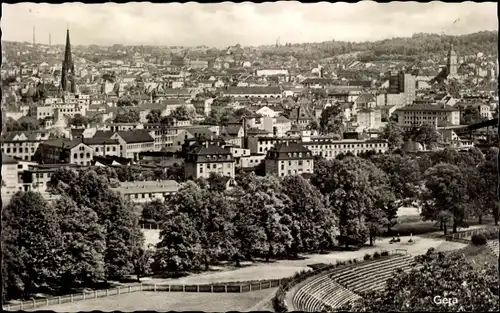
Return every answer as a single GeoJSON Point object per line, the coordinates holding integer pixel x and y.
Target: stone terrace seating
{"type": "Point", "coordinates": [339, 287]}
{"type": "Point", "coordinates": [372, 276]}
{"type": "Point", "coordinates": [319, 292]}
{"type": "Point", "coordinates": [493, 245]}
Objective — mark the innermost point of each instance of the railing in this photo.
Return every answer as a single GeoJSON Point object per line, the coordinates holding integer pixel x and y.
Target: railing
{"type": "Point", "coordinates": [227, 287]}
{"type": "Point", "coordinates": [464, 236]}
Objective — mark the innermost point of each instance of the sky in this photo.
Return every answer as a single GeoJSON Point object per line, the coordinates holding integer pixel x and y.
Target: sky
{"type": "Point", "coordinates": [248, 24]}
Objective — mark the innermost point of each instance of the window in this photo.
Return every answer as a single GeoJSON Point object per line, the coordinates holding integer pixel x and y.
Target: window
{"type": "Point", "coordinates": [14, 150]}
{"type": "Point", "coordinates": [75, 156]}
{"type": "Point", "coordinates": [19, 166]}
{"type": "Point", "coordinates": [81, 155]}
{"type": "Point", "coordinates": [8, 150]}
{"type": "Point", "coordinates": [114, 148]}
{"type": "Point", "coordinates": [20, 150]}
{"type": "Point", "coordinates": [88, 155]}
{"type": "Point", "coordinates": [136, 196]}
{"type": "Point", "coordinates": [300, 162]}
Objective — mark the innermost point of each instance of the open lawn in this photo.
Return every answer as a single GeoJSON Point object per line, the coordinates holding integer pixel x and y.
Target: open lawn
{"type": "Point", "coordinates": [175, 301]}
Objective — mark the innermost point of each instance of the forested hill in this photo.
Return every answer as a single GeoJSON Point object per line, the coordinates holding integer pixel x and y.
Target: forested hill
{"type": "Point", "coordinates": [419, 46]}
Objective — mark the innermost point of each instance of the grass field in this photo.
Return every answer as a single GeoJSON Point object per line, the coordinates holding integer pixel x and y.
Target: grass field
{"type": "Point", "coordinates": [178, 301]}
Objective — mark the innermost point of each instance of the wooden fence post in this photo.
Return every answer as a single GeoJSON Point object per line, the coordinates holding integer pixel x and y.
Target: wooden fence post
{"type": "Point", "coordinates": [95, 294]}
{"type": "Point", "coordinates": [118, 290]}
{"type": "Point", "coordinates": [22, 305]}
{"type": "Point", "coordinates": [183, 288]}
{"type": "Point", "coordinates": [34, 303]}
{"type": "Point", "coordinates": [197, 288]}
{"type": "Point", "coordinates": [211, 288]}
{"type": "Point", "coordinates": [141, 286]}
{"type": "Point", "coordinates": [250, 285]}
{"type": "Point", "coordinates": [225, 288]}
{"type": "Point", "coordinates": [241, 288]}
{"type": "Point", "coordinates": [270, 284]}
{"type": "Point", "coordinates": [47, 301]}
{"type": "Point", "coordinates": [129, 289]}
{"type": "Point", "coordinates": [58, 300]}
{"type": "Point", "coordinates": [260, 285]}
{"type": "Point", "coordinates": [155, 288]}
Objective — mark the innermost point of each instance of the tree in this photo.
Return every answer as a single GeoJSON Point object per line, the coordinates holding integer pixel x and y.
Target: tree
{"type": "Point", "coordinates": [78, 120]}
{"type": "Point", "coordinates": [312, 223]}
{"type": "Point", "coordinates": [83, 247]}
{"type": "Point", "coordinates": [352, 185]}
{"type": "Point", "coordinates": [449, 275]}
{"type": "Point", "coordinates": [24, 124]}
{"type": "Point", "coordinates": [131, 116]}
{"type": "Point", "coordinates": [427, 135]}
{"type": "Point", "coordinates": [31, 227]}
{"type": "Point", "coordinates": [394, 135]}
{"type": "Point", "coordinates": [155, 210]}
{"type": "Point", "coordinates": [179, 249]}
{"type": "Point", "coordinates": [446, 195]}
{"type": "Point", "coordinates": [331, 120]}
{"type": "Point", "coordinates": [183, 113]}
{"type": "Point", "coordinates": [219, 116]}
{"type": "Point", "coordinates": [471, 115]}
{"type": "Point", "coordinates": [488, 172]}
{"type": "Point", "coordinates": [126, 102]}
{"type": "Point", "coordinates": [216, 182]}
{"type": "Point", "coordinates": [154, 116]}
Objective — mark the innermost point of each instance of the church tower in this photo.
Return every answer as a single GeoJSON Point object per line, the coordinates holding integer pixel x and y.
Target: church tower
{"type": "Point", "coordinates": [451, 65]}
{"type": "Point", "coordinates": [68, 69]}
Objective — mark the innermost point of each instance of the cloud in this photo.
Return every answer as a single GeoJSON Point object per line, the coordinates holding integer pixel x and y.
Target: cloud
{"type": "Point", "coordinates": [225, 24]}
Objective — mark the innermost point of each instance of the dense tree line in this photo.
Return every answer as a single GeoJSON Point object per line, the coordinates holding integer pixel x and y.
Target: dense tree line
{"type": "Point", "coordinates": [88, 236]}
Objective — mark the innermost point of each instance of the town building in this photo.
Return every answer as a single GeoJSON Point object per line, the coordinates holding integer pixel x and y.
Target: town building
{"type": "Point", "coordinates": [289, 158]}
{"type": "Point", "coordinates": [65, 151]}
{"type": "Point", "coordinates": [207, 158]}
{"type": "Point", "coordinates": [439, 115]}
{"type": "Point", "coordinates": [146, 191]}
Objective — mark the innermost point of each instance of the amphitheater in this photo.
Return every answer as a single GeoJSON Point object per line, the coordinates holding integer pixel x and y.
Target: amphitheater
{"type": "Point", "coordinates": [336, 288]}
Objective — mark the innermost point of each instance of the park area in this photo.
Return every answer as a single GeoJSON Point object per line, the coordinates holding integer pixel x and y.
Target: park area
{"type": "Point", "coordinates": [248, 301]}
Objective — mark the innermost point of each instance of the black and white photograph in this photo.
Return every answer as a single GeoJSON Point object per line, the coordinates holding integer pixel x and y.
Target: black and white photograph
{"type": "Point", "coordinates": [278, 157]}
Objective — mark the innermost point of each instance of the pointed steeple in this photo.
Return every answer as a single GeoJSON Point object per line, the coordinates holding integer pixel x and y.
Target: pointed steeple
{"type": "Point", "coordinates": [68, 68]}
{"type": "Point", "coordinates": [67, 51]}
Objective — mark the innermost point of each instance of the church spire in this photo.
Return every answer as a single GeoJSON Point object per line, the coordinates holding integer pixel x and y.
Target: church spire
{"type": "Point", "coordinates": [68, 68]}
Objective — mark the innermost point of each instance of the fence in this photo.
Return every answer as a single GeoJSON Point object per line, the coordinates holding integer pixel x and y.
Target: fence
{"type": "Point", "coordinates": [150, 225]}
{"type": "Point", "coordinates": [229, 287]}
{"type": "Point", "coordinates": [464, 236]}
{"type": "Point", "coordinates": [279, 303]}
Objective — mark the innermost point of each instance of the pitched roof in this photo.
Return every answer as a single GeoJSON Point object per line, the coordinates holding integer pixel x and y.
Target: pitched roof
{"type": "Point", "coordinates": [253, 90]}
{"type": "Point", "coordinates": [62, 143]}
{"type": "Point", "coordinates": [136, 136]}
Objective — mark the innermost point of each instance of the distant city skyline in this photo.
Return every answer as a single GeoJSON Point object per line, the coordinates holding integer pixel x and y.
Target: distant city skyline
{"type": "Point", "coordinates": [248, 24]}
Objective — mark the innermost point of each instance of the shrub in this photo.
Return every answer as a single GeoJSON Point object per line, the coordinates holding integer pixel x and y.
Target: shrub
{"type": "Point", "coordinates": [376, 255]}
{"type": "Point", "coordinates": [367, 257]}
{"type": "Point", "coordinates": [491, 234]}
{"type": "Point", "coordinates": [354, 261]}
{"type": "Point", "coordinates": [384, 253]}
{"type": "Point", "coordinates": [350, 261]}
{"type": "Point", "coordinates": [478, 239]}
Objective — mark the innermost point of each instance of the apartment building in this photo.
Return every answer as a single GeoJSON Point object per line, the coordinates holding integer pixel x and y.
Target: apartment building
{"type": "Point", "coordinates": [206, 158]}
{"type": "Point", "coordinates": [22, 144]}
{"type": "Point", "coordinates": [415, 115]}
{"type": "Point", "coordinates": [289, 158]}
{"type": "Point", "coordinates": [65, 151]}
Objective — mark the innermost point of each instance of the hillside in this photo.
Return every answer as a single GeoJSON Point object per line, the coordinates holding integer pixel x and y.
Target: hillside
{"type": "Point", "coordinates": [418, 47]}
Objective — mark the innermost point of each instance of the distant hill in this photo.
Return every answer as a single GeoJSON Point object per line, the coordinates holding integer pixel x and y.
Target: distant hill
{"type": "Point", "coordinates": [419, 46]}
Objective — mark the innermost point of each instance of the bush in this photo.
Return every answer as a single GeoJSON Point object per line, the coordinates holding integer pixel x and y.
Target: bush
{"type": "Point", "coordinates": [491, 234]}
{"type": "Point", "coordinates": [354, 261]}
{"type": "Point", "coordinates": [367, 257]}
{"type": "Point", "coordinates": [376, 255]}
{"type": "Point", "coordinates": [350, 261]}
{"type": "Point", "coordinates": [478, 239]}
{"type": "Point", "coordinates": [384, 253]}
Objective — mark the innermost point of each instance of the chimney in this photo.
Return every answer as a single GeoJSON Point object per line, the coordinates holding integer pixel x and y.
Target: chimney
{"type": "Point", "coordinates": [206, 144]}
